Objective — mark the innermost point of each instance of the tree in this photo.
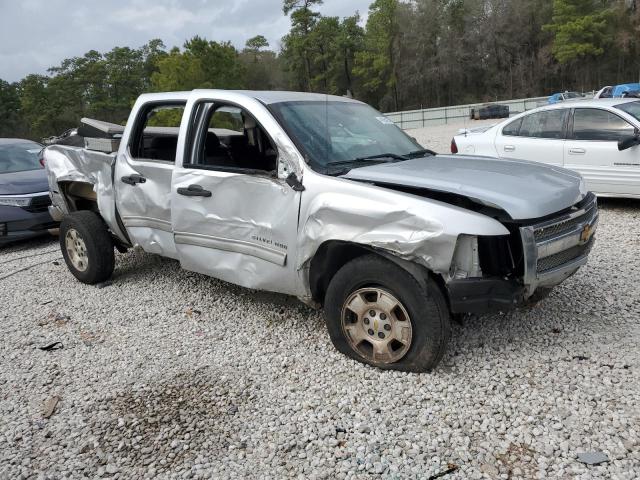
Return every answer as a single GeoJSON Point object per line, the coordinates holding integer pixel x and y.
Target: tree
{"type": "Point", "coordinates": [202, 64]}
{"type": "Point", "coordinates": [580, 33]}
{"type": "Point", "coordinates": [296, 44]}
{"type": "Point", "coordinates": [377, 64]}
{"type": "Point", "coordinates": [257, 43]}
{"type": "Point", "coordinates": [262, 68]}
{"type": "Point", "coordinates": [11, 121]}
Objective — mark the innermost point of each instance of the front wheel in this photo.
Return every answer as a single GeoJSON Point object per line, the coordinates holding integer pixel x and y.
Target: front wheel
{"type": "Point", "coordinates": [378, 313]}
{"type": "Point", "coordinates": [87, 247]}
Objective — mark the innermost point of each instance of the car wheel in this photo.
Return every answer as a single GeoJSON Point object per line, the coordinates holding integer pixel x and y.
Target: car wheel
{"type": "Point", "coordinates": [87, 247]}
{"type": "Point", "coordinates": [378, 313]}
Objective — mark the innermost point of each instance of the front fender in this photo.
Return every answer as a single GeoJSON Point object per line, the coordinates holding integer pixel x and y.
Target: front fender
{"type": "Point", "coordinates": [411, 227]}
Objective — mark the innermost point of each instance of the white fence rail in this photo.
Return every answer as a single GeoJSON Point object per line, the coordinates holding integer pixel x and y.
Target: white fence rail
{"type": "Point", "coordinates": [442, 115]}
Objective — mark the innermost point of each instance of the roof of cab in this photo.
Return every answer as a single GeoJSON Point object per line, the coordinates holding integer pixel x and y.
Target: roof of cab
{"type": "Point", "coordinates": [276, 96]}
{"type": "Point", "coordinates": [266, 97]}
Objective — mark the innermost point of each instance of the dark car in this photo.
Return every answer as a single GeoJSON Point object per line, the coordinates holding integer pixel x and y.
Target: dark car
{"type": "Point", "coordinates": [490, 111]}
{"type": "Point", "coordinates": [24, 191]}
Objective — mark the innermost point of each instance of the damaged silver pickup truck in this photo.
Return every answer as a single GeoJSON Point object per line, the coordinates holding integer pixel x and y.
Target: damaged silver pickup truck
{"type": "Point", "coordinates": [323, 198]}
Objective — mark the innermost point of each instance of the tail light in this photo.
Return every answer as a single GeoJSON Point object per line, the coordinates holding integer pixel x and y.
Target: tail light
{"type": "Point", "coordinates": [41, 157]}
{"type": "Point", "coordinates": [454, 147]}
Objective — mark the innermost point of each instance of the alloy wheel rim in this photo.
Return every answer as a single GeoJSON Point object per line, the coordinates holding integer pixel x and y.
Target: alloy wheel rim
{"type": "Point", "coordinates": [377, 325]}
{"type": "Point", "coordinates": [76, 250]}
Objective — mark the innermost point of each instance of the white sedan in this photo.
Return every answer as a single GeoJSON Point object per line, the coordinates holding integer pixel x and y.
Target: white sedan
{"type": "Point", "coordinates": [598, 138]}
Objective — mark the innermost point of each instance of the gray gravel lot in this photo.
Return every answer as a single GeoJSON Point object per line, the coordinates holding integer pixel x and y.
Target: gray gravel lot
{"type": "Point", "coordinates": [438, 138]}
{"type": "Point", "coordinates": [171, 374]}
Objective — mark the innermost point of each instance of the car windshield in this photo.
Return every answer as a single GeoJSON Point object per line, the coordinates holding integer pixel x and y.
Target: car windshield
{"type": "Point", "coordinates": [632, 108]}
{"type": "Point", "coordinates": [572, 95]}
{"type": "Point", "coordinates": [336, 133]}
{"type": "Point", "coordinates": [19, 156]}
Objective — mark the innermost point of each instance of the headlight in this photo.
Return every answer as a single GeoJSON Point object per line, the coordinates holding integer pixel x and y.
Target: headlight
{"type": "Point", "coordinates": [15, 201]}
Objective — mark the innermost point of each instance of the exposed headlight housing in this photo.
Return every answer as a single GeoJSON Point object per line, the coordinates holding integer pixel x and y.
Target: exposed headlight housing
{"type": "Point", "coordinates": [15, 201]}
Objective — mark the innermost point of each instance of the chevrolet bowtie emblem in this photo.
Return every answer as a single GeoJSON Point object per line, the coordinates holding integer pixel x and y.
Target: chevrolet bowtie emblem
{"type": "Point", "coordinates": [585, 235]}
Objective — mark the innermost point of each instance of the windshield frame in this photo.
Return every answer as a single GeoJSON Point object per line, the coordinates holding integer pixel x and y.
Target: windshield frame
{"type": "Point", "coordinates": [24, 144]}
{"type": "Point", "coordinates": [308, 157]}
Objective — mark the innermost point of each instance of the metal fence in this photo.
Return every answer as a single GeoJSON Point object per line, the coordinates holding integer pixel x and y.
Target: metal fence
{"type": "Point", "coordinates": [442, 115]}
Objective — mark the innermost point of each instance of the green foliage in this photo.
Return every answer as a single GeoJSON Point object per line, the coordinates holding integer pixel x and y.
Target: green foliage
{"type": "Point", "coordinates": [202, 64]}
{"type": "Point", "coordinates": [297, 46]}
{"type": "Point", "coordinates": [256, 43]}
{"type": "Point", "coordinates": [376, 63]}
{"type": "Point", "coordinates": [11, 122]}
{"type": "Point", "coordinates": [580, 28]}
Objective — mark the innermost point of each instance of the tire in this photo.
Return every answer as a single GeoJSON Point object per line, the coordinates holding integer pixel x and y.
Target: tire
{"type": "Point", "coordinates": [376, 283]}
{"type": "Point", "coordinates": [87, 247]}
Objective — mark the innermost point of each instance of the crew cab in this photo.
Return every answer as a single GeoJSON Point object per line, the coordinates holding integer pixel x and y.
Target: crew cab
{"type": "Point", "coordinates": [324, 198]}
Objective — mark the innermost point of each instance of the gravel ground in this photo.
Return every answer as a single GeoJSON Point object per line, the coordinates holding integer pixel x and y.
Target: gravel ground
{"type": "Point", "coordinates": [170, 374]}
{"type": "Point", "coordinates": [438, 138]}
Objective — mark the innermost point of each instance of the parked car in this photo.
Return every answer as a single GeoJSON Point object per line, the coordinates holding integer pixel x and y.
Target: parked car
{"type": "Point", "coordinates": [604, 92]}
{"type": "Point", "coordinates": [489, 111]}
{"type": "Point", "coordinates": [596, 138]}
{"type": "Point", "coordinates": [619, 91]}
{"type": "Point", "coordinates": [24, 191]}
{"type": "Point", "coordinates": [563, 96]}
{"type": "Point", "coordinates": [324, 198]}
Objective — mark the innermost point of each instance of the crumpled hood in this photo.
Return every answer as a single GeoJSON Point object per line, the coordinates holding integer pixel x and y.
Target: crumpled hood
{"type": "Point", "coordinates": [521, 188]}
{"type": "Point", "coordinates": [30, 181]}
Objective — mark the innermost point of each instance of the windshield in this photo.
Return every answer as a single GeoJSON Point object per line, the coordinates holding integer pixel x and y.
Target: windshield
{"type": "Point", "coordinates": [632, 108]}
{"type": "Point", "coordinates": [572, 95]}
{"type": "Point", "coordinates": [335, 132]}
{"type": "Point", "coordinates": [19, 156]}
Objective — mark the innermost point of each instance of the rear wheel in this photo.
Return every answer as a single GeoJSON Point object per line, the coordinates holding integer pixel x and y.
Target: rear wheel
{"type": "Point", "coordinates": [379, 314]}
{"type": "Point", "coordinates": [87, 247]}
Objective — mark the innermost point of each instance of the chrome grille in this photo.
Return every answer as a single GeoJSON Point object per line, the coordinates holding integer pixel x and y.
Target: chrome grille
{"type": "Point", "coordinates": [558, 259]}
{"type": "Point", "coordinates": [556, 229]}
{"type": "Point", "coordinates": [556, 248]}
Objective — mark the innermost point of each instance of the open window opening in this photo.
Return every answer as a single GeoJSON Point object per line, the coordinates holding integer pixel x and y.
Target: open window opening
{"type": "Point", "coordinates": [230, 139]}
{"type": "Point", "coordinates": [156, 137]}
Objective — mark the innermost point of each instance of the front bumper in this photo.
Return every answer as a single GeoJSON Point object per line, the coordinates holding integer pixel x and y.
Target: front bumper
{"type": "Point", "coordinates": [482, 295]}
{"type": "Point", "coordinates": [553, 250]}
{"type": "Point", "coordinates": [17, 223]}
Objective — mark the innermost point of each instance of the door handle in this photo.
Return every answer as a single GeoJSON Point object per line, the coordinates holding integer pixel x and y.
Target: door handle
{"type": "Point", "coordinates": [194, 191]}
{"type": "Point", "coordinates": [509, 148]}
{"type": "Point", "coordinates": [133, 179]}
{"type": "Point", "coordinates": [577, 151]}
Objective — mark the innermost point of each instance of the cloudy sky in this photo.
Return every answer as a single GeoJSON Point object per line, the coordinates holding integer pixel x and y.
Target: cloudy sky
{"type": "Point", "coordinates": [38, 34]}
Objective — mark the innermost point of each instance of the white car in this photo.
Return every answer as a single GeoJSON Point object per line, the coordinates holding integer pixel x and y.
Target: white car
{"type": "Point", "coordinates": [596, 138]}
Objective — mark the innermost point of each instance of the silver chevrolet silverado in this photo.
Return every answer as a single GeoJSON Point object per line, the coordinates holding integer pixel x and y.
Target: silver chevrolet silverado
{"type": "Point", "coordinates": [324, 198]}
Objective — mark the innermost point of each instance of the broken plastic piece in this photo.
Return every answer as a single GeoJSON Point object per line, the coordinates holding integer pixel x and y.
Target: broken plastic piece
{"type": "Point", "coordinates": [53, 346]}
{"type": "Point", "coordinates": [451, 467]}
{"type": "Point", "coordinates": [593, 458]}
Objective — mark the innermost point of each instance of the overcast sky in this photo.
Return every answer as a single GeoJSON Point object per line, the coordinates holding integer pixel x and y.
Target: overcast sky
{"type": "Point", "coordinates": [38, 34]}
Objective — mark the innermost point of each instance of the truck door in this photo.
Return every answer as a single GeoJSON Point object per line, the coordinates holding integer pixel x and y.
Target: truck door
{"type": "Point", "coordinates": [143, 176]}
{"type": "Point", "coordinates": [592, 150]}
{"type": "Point", "coordinates": [234, 216]}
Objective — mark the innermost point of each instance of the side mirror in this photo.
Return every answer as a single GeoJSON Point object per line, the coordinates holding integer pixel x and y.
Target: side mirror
{"type": "Point", "coordinates": [293, 181]}
{"type": "Point", "coordinates": [629, 142]}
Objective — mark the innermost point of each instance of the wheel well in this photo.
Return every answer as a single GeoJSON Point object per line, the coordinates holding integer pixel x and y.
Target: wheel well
{"type": "Point", "coordinates": [334, 254]}
{"type": "Point", "coordinates": [79, 196]}
{"type": "Point", "coordinates": [329, 258]}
